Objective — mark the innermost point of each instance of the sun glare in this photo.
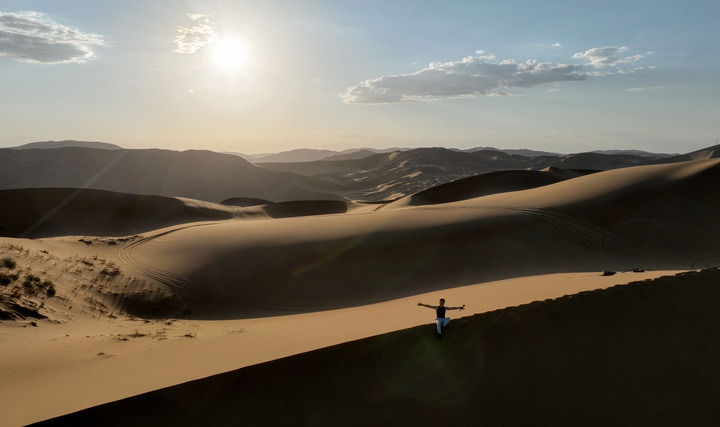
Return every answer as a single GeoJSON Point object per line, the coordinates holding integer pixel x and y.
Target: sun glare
{"type": "Point", "coordinates": [230, 54]}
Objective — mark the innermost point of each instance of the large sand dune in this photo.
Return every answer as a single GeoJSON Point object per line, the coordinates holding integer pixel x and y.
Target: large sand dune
{"type": "Point", "coordinates": [401, 173]}
{"type": "Point", "coordinates": [90, 358]}
{"type": "Point", "coordinates": [227, 278]}
{"type": "Point", "coordinates": [44, 212]}
{"type": "Point", "coordinates": [47, 212]}
{"type": "Point", "coordinates": [642, 354]}
{"type": "Point", "coordinates": [653, 217]}
{"type": "Point", "coordinates": [493, 183]}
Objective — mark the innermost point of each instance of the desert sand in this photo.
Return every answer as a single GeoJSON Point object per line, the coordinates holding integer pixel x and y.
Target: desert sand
{"type": "Point", "coordinates": [641, 354]}
{"type": "Point", "coordinates": [160, 306]}
{"type": "Point", "coordinates": [93, 360]}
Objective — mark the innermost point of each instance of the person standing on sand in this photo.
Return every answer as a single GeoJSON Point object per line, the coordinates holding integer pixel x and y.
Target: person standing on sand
{"type": "Point", "coordinates": [440, 318]}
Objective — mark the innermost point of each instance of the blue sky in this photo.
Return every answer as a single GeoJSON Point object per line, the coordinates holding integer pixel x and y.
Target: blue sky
{"type": "Point", "coordinates": [269, 76]}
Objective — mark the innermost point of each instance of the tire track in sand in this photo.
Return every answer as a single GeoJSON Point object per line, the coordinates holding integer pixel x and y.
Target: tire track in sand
{"type": "Point", "coordinates": [594, 237]}
{"type": "Point", "coordinates": [168, 278]}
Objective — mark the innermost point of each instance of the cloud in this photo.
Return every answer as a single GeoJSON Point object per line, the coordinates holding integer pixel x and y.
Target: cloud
{"type": "Point", "coordinates": [601, 57]}
{"type": "Point", "coordinates": [30, 36]}
{"type": "Point", "coordinates": [473, 75]}
{"type": "Point", "coordinates": [638, 89]}
{"type": "Point", "coordinates": [191, 39]}
{"type": "Point", "coordinates": [606, 61]}
{"type": "Point", "coordinates": [556, 44]}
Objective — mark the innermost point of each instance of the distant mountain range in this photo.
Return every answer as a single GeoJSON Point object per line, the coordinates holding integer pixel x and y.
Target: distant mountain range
{"type": "Point", "coordinates": [310, 154]}
{"type": "Point", "coordinates": [635, 153]}
{"type": "Point", "coordinates": [69, 143]}
{"type": "Point", "coordinates": [197, 174]}
{"type": "Point", "coordinates": [516, 151]}
{"type": "Point", "coordinates": [392, 175]}
{"type": "Point", "coordinates": [358, 174]}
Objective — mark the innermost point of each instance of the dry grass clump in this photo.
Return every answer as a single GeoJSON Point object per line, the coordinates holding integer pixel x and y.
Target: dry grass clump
{"type": "Point", "coordinates": [6, 279]}
{"type": "Point", "coordinates": [110, 270]}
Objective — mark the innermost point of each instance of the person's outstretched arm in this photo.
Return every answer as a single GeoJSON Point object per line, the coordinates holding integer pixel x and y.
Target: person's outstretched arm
{"type": "Point", "coordinates": [456, 308]}
{"type": "Point", "coordinates": [427, 305]}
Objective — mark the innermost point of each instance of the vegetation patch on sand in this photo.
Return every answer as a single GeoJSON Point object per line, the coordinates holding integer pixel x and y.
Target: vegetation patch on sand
{"type": "Point", "coordinates": [22, 297]}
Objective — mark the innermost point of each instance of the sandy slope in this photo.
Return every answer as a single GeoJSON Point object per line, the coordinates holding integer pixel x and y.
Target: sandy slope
{"type": "Point", "coordinates": [642, 354]}
{"type": "Point", "coordinates": [237, 271]}
{"type": "Point", "coordinates": [43, 212]}
{"type": "Point", "coordinates": [492, 183]}
{"type": "Point", "coordinates": [636, 217]}
{"type": "Point", "coordinates": [46, 212]}
{"type": "Point", "coordinates": [60, 368]}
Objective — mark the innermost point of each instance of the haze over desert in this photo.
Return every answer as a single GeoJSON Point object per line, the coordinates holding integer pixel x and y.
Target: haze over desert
{"type": "Point", "coordinates": [312, 213]}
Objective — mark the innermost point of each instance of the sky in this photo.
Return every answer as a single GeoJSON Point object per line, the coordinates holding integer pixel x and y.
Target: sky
{"type": "Point", "coordinates": [266, 76]}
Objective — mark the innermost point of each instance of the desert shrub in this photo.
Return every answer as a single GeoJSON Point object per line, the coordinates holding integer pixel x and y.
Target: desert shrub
{"type": "Point", "coordinates": [31, 283]}
{"type": "Point", "coordinates": [31, 279]}
{"type": "Point", "coordinates": [111, 271]}
{"type": "Point", "coordinates": [9, 263]}
{"type": "Point", "coordinates": [6, 279]}
{"type": "Point", "coordinates": [48, 287]}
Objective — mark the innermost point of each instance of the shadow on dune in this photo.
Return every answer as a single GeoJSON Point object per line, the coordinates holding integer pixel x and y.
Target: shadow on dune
{"type": "Point", "coordinates": [196, 174]}
{"type": "Point", "coordinates": [305, 208]}
{"type": "Point", "coordinates": [492, 183]}
{"type": "Point", "coordinates": [367, 268]}
{"type": "Point", "coordinates": [244, 202]}
{"type": "Point", "coordinates": [657, 217]}
{"type": "Point", "coordinates": [45, 212]}
{"type": "Point", "coordinates": [640, 354]}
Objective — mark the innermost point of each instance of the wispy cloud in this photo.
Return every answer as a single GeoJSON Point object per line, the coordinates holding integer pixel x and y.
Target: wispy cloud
{"type": "Point", "coordinates": [638, 89]}
{"type": "Point", "coordinates": [609, 57]}
{"type": "Point", "coordinates": [30, 36]}
{"type": "Point", "coordinates": [605, 61]}
{"type": "Point", "coordinates": [191, 39]}
{"type": "Point", "coordinates": [473, 75]}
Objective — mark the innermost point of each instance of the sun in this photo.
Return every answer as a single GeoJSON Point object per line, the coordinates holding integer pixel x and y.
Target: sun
{"type": "Point", "coordinates": [230, 54]}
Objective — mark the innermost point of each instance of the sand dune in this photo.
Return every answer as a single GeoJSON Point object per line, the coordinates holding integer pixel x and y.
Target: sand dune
{"type": "Point", "coordinates": [305, 208]}
{"type": "Point", "coordinates": [293, 208]}
{"type": "Point", "coordinates": [492, 183]}
{"type": "Point", "coordinates": [702, 154]}
{"type": "Point", "coordinates": [595, 161]}
{"type": "Point", "coordinates": [393, 175]}
{"type": "Point", "coordinates": [43, 212]}
{"type": "Point", "coordinates": [616, 220]}
{"type": "Point", "coordinates": [641, 354]}
{"type": "Point", "coordinates": [282, 262]}
{"type": "Point", "coordinates": [89, 358]}
{"type": "Point", "coordinates": [244, 201]}
{"type": "Point", "coordinates": [227, 278]}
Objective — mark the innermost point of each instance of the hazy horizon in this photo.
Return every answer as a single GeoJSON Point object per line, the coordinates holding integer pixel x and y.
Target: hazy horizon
{"type": "Point", "coordinates": [261, 78]}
